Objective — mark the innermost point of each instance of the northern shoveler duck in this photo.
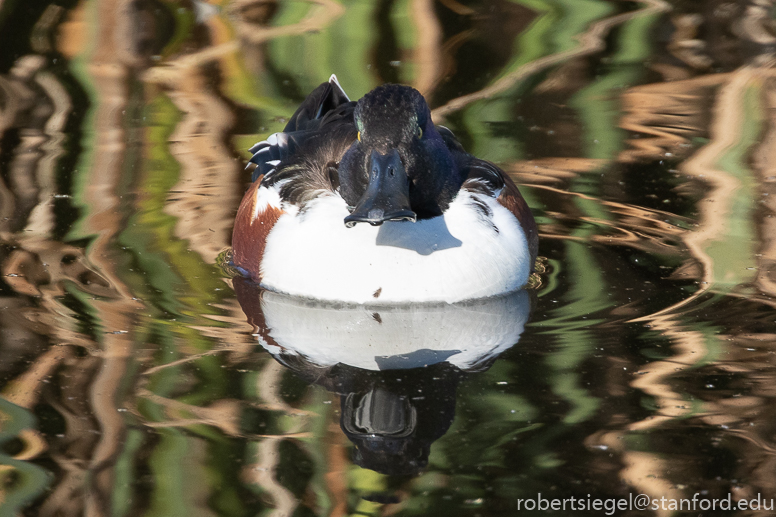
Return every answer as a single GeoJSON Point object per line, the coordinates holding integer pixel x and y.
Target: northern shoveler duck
{"type": "Point", "coordinates": [369, 201]}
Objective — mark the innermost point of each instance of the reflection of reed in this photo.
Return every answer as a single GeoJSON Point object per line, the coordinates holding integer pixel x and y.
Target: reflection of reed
{"type": "Point", "coordinates": [591, 41]}
{"type": "Point", "coordinates": [223, 414]}
{"type": "Point", "coordinates": [42, 267]}
{"type": "Point", "coordinates": [749, 348]}
{"type": "Point", "coordinates": [666, 116]}
{"type": "Point", "coordinates": [321, 15]}
{"type": "Point", "coordinates": [628, 225]}
{"type": "Point", "coordinates": [653, 378]}
{"type": "Point", "coordinates": [427, 50]}
{"type": "Point", "coordinates": [712, 166]}
{"type": "Point", "coordinates": [25, 107]}
{"type": "Point", "coordinates": [552, 170]}
{"type": "Point", "coordinates": [37, 105]}
{"type": "Point", "coordinates": [202, 198]}
{"type": "Point", "coordinates": [263, 471]}
{"type": "Point", "coordinates": [109, 70]}
{"type": "Point", "coordinates": [670, 118]}
{"type": "Point", "coordinates": [764, 162]}
{"type": "Point", "coordinates": [717, 204]}
{"type": "Point", "coordinates": [337, 474]}
{"type": "Point", "coordinates": [716, 207]}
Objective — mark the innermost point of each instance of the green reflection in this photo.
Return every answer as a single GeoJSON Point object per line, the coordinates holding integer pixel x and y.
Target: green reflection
{"type": "Point", "coordinates": [22, 481]}
{"type": "Point", "coordinates": [732, 252]}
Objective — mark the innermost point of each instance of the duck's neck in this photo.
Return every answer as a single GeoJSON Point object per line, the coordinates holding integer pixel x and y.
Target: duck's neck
{"type": "Point", "coordinates": [435, 179]}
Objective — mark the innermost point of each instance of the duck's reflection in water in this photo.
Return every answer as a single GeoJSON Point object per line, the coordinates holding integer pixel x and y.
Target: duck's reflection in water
{"type": "Point", "coordinates": [395, 367]}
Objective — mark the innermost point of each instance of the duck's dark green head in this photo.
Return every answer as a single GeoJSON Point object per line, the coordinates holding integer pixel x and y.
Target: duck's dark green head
{"type": "Point", "coordinates": [399, 168]}
{"type": "Point", "coordinates": [391, 115]}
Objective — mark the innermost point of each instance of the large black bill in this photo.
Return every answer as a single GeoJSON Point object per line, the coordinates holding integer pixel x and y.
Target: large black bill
{"type": "Point", "coordinates": [387, 197]}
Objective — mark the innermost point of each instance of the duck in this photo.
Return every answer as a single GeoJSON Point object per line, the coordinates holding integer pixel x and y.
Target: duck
{"type": "Point", "coordinates": [370, 202]}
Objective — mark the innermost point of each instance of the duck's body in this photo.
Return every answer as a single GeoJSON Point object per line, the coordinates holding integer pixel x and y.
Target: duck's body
{"type": "Point", "coordinates": [443, 225]}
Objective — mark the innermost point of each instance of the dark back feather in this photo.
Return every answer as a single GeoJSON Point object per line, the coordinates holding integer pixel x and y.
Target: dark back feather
{"type": "Point", "coordinates": [324, 109]}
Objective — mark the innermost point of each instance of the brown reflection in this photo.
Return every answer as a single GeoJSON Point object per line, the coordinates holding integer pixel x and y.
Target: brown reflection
{"type": "Point", "coordinates": [263, 471]}
{"type": "Point", "coordinates": [224, 414]}
{"type": "Point", "coordinates": [667, 116]}
{"type": "Point", "coordinates": [27, 109]}
{"type": "Point", "coordinates": [203, 198]}
{"type": "Point", "coordinates": [43, 269]}
{"type": "Point", "coordinates": [110, 67]}
{"type": "Point", "coordinates": [764, 162]}
{"type": "Point", "coordinates": [251, 19]}
{"type": "Point", "coordinates": [627, 225]}
{"type": "Point", "coordinates": [36, 106]}
{"type": "Point", "coordinates": [737, 413]}
{"type": "Point", "coordinates": [428, 56]}
{"type": "Point", "coordinates": [716, 206]}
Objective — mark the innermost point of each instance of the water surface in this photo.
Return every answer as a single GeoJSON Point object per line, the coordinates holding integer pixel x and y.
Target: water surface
{"type": "Point", "coordinates": [138, 378]}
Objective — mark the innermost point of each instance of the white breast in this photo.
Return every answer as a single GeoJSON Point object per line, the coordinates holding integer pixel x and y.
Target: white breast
{"type": "Point", "coordinates": [461, 255]}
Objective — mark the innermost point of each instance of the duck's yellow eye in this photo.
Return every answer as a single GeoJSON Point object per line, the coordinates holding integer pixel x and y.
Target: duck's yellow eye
{"type": "Point", "coordinates": [420, 132]}
{"type": "Point", "coordinates": [359, 136]}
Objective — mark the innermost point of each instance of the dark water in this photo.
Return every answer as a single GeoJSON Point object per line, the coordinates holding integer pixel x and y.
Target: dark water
{"type": "Point", "coordinates": [137, 378]}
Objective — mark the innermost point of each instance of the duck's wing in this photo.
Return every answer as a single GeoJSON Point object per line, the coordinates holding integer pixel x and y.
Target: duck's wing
{"type": "Point", "coordinates": [326, 97]}
{"type": "Point", "coordinates": [486, 179]}
{"type": "Point", "coordinates": [328, 104]}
